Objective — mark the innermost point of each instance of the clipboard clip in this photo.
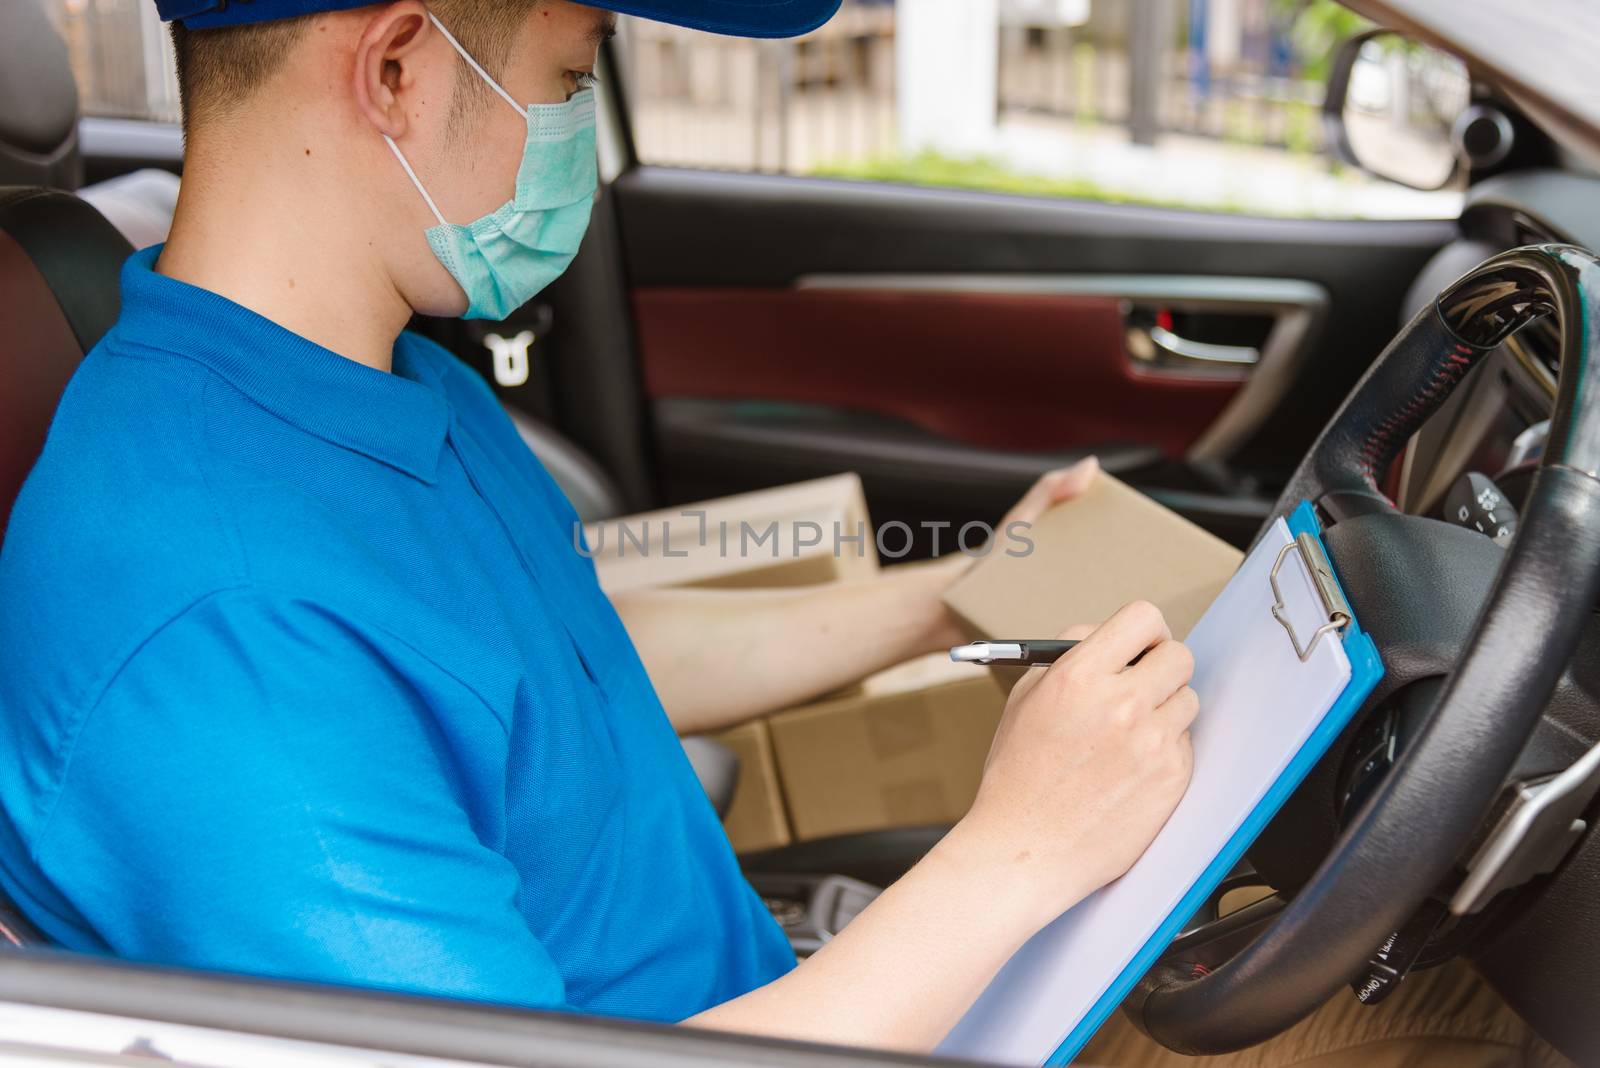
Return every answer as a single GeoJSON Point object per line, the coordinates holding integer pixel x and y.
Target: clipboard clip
{"type": "Point", "coordinates": [1327, 588]}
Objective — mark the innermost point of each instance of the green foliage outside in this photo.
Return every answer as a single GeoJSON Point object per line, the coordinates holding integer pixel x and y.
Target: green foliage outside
{"type": "Point", "coordinates": [1316, 30]}
{"type": "Point", "coordinates": [1302, 132]}
{"type": "Point", "coordinates": [990, 175]}
{"type": "Point", "coordinates": [938, 169]}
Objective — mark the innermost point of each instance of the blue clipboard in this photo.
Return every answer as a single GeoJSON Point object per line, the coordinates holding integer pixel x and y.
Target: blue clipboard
{"type": "Point", "coordinates": [1365, 671]}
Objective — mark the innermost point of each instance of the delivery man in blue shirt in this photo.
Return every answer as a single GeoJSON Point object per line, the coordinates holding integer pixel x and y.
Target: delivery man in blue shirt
{"type": "Point", "coordinates": [300, 675]}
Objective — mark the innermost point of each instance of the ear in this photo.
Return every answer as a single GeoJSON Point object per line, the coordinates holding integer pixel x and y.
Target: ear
{"type": "Point", "coordinates": [386, 61]}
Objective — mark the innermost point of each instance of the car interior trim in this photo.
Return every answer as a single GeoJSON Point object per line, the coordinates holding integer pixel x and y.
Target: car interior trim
{"type": "Point", "coordinates": [1558, 203]}
{"type": "Point", "coordinates": [1448, 442]}
{"type": "Point", "coordinates": [1297, 307]}
{"type": "Point", "coordinates": [610, 128]}
{"type": "Point", "coordinates": [930, 359]}
{"type": "Point", "coordinates": [245, 1016]}
{"type": "Point", "coordinates": [1535, 834]}
{"type": "Point", "coordinates": [106, 138]}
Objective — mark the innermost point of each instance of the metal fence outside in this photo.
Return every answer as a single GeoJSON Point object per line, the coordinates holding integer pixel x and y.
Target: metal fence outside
{"type": "Point", "coordinates": [122, 56]}
{"type": "Point", "coordinates": [786, 106]}
{"type": "Point", "coordinates": [829, 97]}
{"type": "Point", "coordinates": [1055, 72]}
{"type": "Point", "coordinates": [704, 101]}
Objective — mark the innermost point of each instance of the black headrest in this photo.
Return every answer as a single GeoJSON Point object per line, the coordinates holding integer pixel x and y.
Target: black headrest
{"type": "Point", "coordinates": [38, 101]}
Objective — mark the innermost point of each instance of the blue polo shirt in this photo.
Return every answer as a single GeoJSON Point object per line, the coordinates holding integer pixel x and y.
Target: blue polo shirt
{"type": "Point", "coordinates": [301, 675]}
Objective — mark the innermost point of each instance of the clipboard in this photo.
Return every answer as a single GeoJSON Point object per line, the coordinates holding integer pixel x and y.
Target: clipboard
{"type": "Point", "coordinates": [1281, 626]}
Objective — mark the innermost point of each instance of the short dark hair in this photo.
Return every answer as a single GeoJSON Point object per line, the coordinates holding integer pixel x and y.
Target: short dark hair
{"type": "Point", "coordinates": [218, 69]}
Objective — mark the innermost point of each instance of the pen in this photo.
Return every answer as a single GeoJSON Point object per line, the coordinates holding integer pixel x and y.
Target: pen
{"type": "Point", "coordinates": [1030, 653]}
{"type": "Point", "coordinates": [1012, 653]}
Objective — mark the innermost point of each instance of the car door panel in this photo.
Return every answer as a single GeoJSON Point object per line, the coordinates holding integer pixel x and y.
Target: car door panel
{"type": "Point", "coordinates": [1000, 370]}
{"type": "Point", "coordinates": [949, 353]}
{"type": "Point", "coordinates": [984, 326]}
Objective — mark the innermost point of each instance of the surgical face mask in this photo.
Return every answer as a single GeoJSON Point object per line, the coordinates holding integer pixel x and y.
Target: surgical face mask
{"type": "Point", "coordinates": [503, 259]}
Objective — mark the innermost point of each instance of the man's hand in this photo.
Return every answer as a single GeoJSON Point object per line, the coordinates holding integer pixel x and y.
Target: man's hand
{"type": "Point", "coordinates": [1053, 488]}
{"type": "Point", "coordinates": [1090, 759]}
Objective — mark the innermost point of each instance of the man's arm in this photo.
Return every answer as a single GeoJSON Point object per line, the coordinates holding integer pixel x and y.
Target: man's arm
{"type": "Point", "coordinates": [1090, 759]}
{"type": "Point", "coordinates": [256, 791]}
{"type": "Point", "coordinates": [718, 657]}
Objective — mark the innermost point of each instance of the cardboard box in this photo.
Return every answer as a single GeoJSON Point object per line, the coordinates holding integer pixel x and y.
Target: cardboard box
{"type": "Point", "coordinates": [756, 818]}
{"type": "Point", "coordinates": [796, 535]}
{"type": "Point", "coordinates": [1090, 557]}
{"type": "Point", "coordinates": [726, 543]}
{"type": "Point", "coordinates": [906, 747]}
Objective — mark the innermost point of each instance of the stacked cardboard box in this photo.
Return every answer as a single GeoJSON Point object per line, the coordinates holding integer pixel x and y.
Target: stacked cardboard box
{"type": "Point", "coordinates": [803, 534]}
{"type": "Point", "coordinates": [904, 748]}
{"type": "Point", "coordinates": [907, 746]}
{"type": "Point", "coordinates": [797, 535]}
{"type": "Point", "coordinates": [757, 818]}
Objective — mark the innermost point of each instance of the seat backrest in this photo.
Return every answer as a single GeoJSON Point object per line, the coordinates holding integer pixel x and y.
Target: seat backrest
{"type": "Point", "coordinates": [38, 101]}
{"type": "Point", "coordinates": [59, 266]}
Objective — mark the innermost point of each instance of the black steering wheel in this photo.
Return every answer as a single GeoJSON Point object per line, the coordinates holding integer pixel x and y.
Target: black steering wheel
{"type": "Point", "coordinates": [1402, 843]}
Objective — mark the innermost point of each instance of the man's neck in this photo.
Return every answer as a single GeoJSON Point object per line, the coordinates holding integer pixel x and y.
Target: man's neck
{"type": "Point", "coordinates": [275, 234]}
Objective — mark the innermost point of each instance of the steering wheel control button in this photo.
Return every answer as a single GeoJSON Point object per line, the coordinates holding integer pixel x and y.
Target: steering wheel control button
{"type": "Point", "coordinates": [1378, 983]}
{"type": "Point", "coordinates": [1475, 502]}
{"type": "Point", "coordinates": [1397, 954]}
{"type": "Point", "coordinates": [1372, 754]}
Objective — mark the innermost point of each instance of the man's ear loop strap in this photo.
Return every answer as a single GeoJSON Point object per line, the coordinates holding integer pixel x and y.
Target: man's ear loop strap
{"type": "Point", "coordinates": [507, 97]}
{"type": "Point", "coordinates": [401, 156]}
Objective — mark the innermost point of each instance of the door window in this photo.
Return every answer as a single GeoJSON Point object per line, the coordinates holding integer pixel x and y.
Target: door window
{"type": "Point", "coordinates": [121, 56]}
{"type": "Point", "coordinates": [1205, 104]}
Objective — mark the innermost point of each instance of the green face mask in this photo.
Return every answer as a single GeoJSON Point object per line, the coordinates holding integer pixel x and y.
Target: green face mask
{"type": "Point", "coordinates": [503, 259]}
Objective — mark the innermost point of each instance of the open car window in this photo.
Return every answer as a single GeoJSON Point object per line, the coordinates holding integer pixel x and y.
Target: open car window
{"type": "Point", "coordinates": [122, 58]}
{"type": "Point", "coordinates": [1206, 106]}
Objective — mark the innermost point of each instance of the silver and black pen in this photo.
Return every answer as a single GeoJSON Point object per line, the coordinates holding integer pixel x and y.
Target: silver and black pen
{"type": "Point", "coordinates": [1032, 652]}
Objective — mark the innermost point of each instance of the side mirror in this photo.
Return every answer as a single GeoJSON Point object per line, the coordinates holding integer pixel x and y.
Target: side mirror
{"type": "Point", "coordinates": [1396, 109]}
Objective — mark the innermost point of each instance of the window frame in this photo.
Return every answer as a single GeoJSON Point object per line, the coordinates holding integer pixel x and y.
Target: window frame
{"type": "Point", "coordinates": [259, 1015]}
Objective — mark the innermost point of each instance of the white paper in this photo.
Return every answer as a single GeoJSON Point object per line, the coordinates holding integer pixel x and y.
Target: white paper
{"type": "Point", "coordinates": [1258, 706]}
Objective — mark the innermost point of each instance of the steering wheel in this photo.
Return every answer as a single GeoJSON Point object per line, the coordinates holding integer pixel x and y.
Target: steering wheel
{"type": "Point", "coordinates": [1404, 841]}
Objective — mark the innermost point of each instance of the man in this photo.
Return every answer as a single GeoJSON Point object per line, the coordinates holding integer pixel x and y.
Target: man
{"type": "Point", "coordinates": [299, 673]}
{"type": "Point", "coordinates": [302, 673]}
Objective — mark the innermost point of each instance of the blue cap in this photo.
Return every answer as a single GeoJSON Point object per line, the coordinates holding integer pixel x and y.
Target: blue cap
{"type": "Point", "coordinates": [740, 18]}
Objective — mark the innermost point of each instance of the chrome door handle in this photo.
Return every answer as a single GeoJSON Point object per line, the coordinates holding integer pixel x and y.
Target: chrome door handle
{"type": "Point", "coordinates": [1158, 346]}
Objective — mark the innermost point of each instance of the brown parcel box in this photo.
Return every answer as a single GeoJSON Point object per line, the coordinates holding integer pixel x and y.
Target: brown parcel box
{"type": "Point", "coordinates": [663, 549]}
{"type": "Point", "coordinates": [756, 818]}
{"type": "Point", "coordinates": [1091, 556]}
{"type": "Point", "coordinates": [785, 536]}
{"type": "Point", "coordinates": [905, 748]}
